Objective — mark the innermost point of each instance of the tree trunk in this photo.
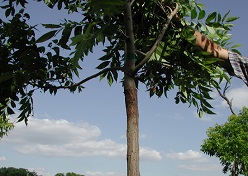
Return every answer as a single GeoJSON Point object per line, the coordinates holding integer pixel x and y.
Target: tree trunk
{"type": "Point", "coordinates": [131, 98]}
{"type": "Point", "coordinates": [132, 129]}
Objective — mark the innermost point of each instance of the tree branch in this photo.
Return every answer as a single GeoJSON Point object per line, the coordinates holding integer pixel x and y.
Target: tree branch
{"type": "Point", "coordinates": [132, 2]}
{"type": "Point", "coordinates": [161, 35]}
{"type": "Point", "coordinates": [223, 95]}
{"type": "Point", "coordinates": [82, 81]}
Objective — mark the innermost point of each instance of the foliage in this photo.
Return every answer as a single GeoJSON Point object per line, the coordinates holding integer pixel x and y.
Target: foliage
{"type": "Point", "coordinates": [11, 171]}
{"type": "Point", "coordinates": [5, 127]}
{"type": "Point", "coordinates": [68, 174]}
{"type": "Point", "coordinates": [30, 63]}
{"type": "Point", "coordinates": [229, 142]}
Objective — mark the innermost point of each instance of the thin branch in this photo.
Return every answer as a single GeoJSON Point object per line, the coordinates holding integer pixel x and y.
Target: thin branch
{"type": "Point", "coordinates": [140, 52]}
{"type": "Point", "coordinates": [162, 7]}
{"type": "Point", "coordinates": [132, 2]}
{"type": "Point", "coordinates": [223, 95]}
{"type": "Point", "coordinates": [155, 45]}
{"type": "Point", "coordinates": [82, 81]}
{"type": "Point", "coordinates": [96, 75]}
{"type": "Point", "coordinates": [162, 63]}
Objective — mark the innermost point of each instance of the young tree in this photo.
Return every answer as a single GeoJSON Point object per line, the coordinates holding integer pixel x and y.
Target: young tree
{"type": "Point", "coordinates": [229, 143]}
{"type": "Point", "coordinates": [138, 40]}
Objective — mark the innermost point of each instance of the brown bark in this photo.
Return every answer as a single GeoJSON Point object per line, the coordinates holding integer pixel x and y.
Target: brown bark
{"type": "Point", "coordinates": [132, 132]}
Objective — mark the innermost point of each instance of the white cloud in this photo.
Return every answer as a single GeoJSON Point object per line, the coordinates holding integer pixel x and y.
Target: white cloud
{"type": "Point", "coordinates": [195, 161]}
{"type": "Point", "coordinates": [205, 117]}
{"type": "Point", "coordinates": [239, 97]}
{"type": "Point", "coordinates": [149, 154]}
{"type": "Point", "coordinates": [188, 155]}
{"type": "Point", "coordinates": [40, 171]}
{"type": "Point", "coordinates": [45, 131]}
{"type": "Point", "coordinates": [2, 158]}
{"type": "Point", "coordinates": [58, 138]}
{"type": "Point", "coordinates": [198, 167]}
{"type": "Point", "coordinates": [89, 173]}
{"type": "Point", "coordinates": [77, 149]}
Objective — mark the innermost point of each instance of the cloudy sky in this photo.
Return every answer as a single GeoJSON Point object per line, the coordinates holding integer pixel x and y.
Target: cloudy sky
{"type": "Point", "coordinates": [85, 133]}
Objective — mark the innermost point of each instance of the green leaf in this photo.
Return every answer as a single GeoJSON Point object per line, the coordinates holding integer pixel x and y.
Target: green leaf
{"type": "Point", "coordinates": [10, 111]}
{"type": "Point", "coordinates": [110, 78]}
{"type": "Point", "coordinates": [103, 76]}
{"type": "Point", "coordinates": [13, 105]}
{"type": "Point", "coordinates": [78, 53]}
{"type": "Point", "coordinates": [7, 12]}
{"type": "Point", "coordinates": [100, 37]}
{"type": "Point", "coordinates": [200, 113]}
{"type": "Point", "coordinates": [177, 100]}
{"type": "Point", "coordinates": [78, 30]}
{"type": "Point", "coordinates": [230, 19]}
{"type": "Point", "coordinates": [115, 74]}
{"type": "Point", "coordinates": [210, 61]}
{"type": "Point", "coordinates": [211, 17]}
{"type": "Point", "coordinates": [206, 103]}
{"type": "Point", "coordinates": [219, 18]}
{"type": "Point", "coordinates": [211, 30]}
{"type": "Point", "coordinates": [195, 102]}
{"type": "Point", "coordinates": [51, 26]}
{"type": "Point", "coordinates": [236, 51]}
{"type": "Point", "coordinates": [193, 13]}
{"type": "Point", "coordinates": [103, 65]}
{"type": "Point", "coordinates": [56, 50]}
{"type": "Point", "coordinates": [105, 57]}
{"type": "Point", "coordinates": [75, 70]}
{"type": "Point", "coordinates": [236, 46]}
{"type": "Point", "coordinates": [76, 39]}
{"type": "Point", "coordinates": [46, 36]}
{"type": "Point", "coordinates": [185, 94]}
{"type": "Point", "coordinates": [65, 37]}
{"type": "Point", "coordinates": [225, 16]}
{"type": "Point", "coordinates": [202, 14]}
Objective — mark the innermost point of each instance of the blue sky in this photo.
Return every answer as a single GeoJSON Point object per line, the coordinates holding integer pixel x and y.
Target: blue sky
{"type": "Point", "coordinates": [85, 133]}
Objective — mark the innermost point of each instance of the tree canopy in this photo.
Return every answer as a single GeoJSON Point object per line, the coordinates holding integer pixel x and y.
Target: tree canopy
{"type": "Point", "coordinates": [229, 143]}
{"type": "Point", "coordinates": [162, 62]}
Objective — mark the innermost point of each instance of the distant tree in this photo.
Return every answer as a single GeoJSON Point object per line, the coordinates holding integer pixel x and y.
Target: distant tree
{"type": "Point", "coordinates": [60, 174]}
{"type": "Point", "coordinates": [72, 174]}
{"type": "Point", "coordinates": [68, 174]}
{"type": "Point", "coordinates": [139, 42]}
{"type": "Point", "coordinates": [11, 171]}
{"type": "Point", "coordinates": [229, 143]}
